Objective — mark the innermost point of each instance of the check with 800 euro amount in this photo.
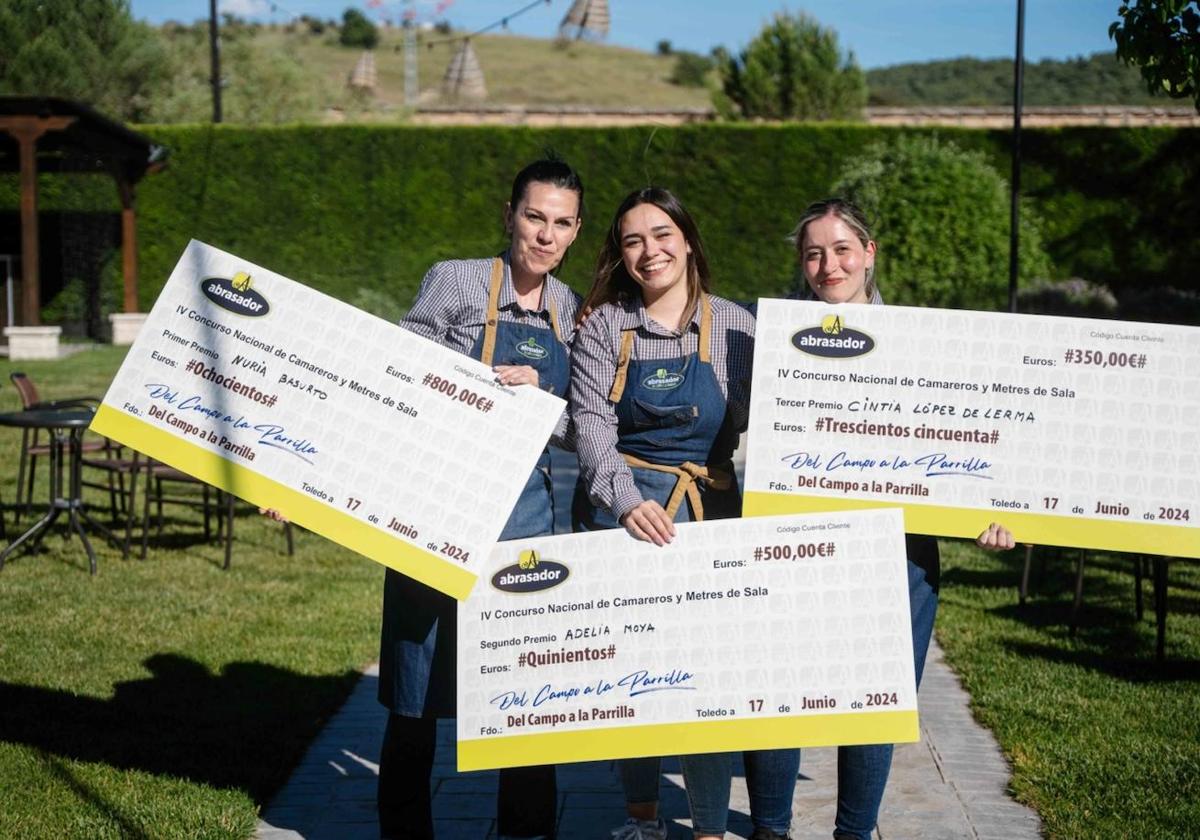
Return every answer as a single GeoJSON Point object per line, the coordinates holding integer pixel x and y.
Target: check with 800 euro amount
{"type": "Point", "coordinates": [1070, 431]}
{"type": "Point", "coordinates": [392, 445]}
{"type": "Point", "coordinates": [740, 634]}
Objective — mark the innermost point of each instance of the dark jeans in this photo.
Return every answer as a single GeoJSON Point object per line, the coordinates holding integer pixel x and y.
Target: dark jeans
{"type": "Point", "coordinates": [527, 800]}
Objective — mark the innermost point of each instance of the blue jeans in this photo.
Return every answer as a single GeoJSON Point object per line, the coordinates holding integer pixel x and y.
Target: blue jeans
{"type": "Point", "coordinates": [863, 770]}
{"type": "Point", "coordinates": [770, 781]}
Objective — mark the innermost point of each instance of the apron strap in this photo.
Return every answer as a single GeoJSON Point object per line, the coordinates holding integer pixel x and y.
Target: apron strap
{"type": "Point", "coordinates": [687, 478]}
{"type": "Point", "coordinates": [553, 310]}
{"type": "Point", "coordinates": [705, 329]}
{"type": "Point", "coordinates": [626, 352]}
{"type": "Point", "coordinates": [492, 318]}
{"type": "Point", "coordinates": [618, 386]}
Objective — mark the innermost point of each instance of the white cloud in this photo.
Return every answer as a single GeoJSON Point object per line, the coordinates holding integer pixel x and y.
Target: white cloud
{"type": "Point", "coordinates": [246, 8]}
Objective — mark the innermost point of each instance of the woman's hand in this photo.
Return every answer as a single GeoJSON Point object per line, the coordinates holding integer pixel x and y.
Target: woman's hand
{"type": "Point", "coordinates": [648, 521]}
{"type": "Point", "coordinates": [995, 538]}
{"type": "Point", "coordinates": [271, 513]}
{"type": "Point", "coordinates": [516, 375]}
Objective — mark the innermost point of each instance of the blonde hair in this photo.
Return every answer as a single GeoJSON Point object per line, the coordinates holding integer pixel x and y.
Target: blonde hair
{"type": "Point", "coordinates": [854, 219]}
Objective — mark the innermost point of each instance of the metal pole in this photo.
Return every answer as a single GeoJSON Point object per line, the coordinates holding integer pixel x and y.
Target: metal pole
{"type": "Point", "coordinates": [214, 43]}
{"type": "Point", "coordinates": [1015, 215]}
{"type": "Point", "coordinates": [411, 88]}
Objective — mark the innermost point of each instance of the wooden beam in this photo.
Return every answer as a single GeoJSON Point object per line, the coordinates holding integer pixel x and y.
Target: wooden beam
{"type": "Point", "coordinates": [129, 272]}
{"type": "Point", "coordinates": [27, 130]}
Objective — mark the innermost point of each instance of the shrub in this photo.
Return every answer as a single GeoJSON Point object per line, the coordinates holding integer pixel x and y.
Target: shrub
{"type": "Point", "coordinates": [357, 31]}
{"type": "Point", "coordinates": [691, 70]}
{"type": "Point", "coordinates": [942, 223]}
{"type": "Point", "coordinates": [1161, 304]}
{"type": "Point", "coordinates": [1067, 297]}
{"type": "Point", "coordinates": [664, 47]}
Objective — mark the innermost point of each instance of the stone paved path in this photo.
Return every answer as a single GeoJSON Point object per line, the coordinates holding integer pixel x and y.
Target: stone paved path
{"type": "Point", "coordinates": [949, 786]}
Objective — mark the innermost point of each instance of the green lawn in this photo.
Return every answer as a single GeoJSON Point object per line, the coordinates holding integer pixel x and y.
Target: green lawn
{"type": "Point", "coordinates": [1105, 743]}
{"type": "Point", "coordinates": [166, 697]}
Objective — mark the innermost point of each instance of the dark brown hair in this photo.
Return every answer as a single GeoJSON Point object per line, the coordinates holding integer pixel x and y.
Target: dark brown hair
{"type": "Point", "coordinates": [612, 282]}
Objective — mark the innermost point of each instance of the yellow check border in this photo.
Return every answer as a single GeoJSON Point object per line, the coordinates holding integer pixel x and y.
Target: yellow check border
{"type": "Point", "coordinates": [686, 738]}
{"type": "Point", "coordinates": [1033, 528]}
{"type": "Point", "coordinates": [301, 508]}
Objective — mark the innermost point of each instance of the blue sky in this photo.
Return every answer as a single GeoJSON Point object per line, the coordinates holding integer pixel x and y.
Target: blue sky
{"type": "Point", "coordinates": [880, 32]}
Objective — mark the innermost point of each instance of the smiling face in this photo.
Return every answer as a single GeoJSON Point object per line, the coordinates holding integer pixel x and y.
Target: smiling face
{"type": "Point", "coordinates": [835, 261]}
{"type": "Point", "coordinates": [543, 225]}
{"type": "Point", "coordinates": [655, 252]}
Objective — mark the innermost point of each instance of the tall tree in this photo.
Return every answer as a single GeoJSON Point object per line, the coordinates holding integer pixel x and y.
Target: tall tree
{"type": "Point", "coordinates": [793, 69]}
{"type": "Point", "coordinates": [90, 50]}
{"type": "Point", "coordinates": [357, 31]}
{"type": "Point", "coordinates": [1162, 37]}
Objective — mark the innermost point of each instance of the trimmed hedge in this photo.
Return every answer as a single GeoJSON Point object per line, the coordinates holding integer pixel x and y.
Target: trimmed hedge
{"type": "Point", "coordinates": [351, 208]}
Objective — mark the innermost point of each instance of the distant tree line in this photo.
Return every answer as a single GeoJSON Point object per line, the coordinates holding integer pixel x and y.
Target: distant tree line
{"type": "Point", "coordinates": [1098, 79]}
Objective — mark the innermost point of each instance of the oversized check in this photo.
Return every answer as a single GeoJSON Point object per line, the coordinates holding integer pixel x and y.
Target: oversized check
{"type": "Point", "coordinates": [355, 428]}
{"type": "Point", "coordinates": [740, 634]}
{"type": "Point", "coordinates": [1070, 431]}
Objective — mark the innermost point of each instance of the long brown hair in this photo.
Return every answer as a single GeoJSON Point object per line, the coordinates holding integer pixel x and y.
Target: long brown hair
{"type": "Point", "coordinates": [612, 282]}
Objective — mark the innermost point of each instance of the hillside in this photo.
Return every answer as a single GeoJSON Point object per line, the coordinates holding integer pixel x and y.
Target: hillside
{"type": "Point", "coordinates": [305, 74]}
{"type": "Point", "coordinates": [1098, 79]}
{"type": "Point", "coordinates": [293, 74]}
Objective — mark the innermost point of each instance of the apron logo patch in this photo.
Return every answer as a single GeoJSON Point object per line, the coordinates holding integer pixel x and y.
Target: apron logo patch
{"type": "Point", "coordinates": [663, 380]}
{"type": "Point", "coordinates": [833, 340]}
{"type": "Point", "coordinates": [530, 349]}
{"type": "Point", "coordinates": [530, 574]}
{"type": "Point", "coordinates": [234, 293]}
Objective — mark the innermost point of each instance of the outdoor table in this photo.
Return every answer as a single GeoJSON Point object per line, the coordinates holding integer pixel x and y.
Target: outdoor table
{"type": "Point", "coordinates": [66, 427]}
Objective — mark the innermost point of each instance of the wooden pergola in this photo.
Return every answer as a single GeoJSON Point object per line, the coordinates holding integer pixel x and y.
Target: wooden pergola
{"type": "Point", "coordinates": [58, 135]}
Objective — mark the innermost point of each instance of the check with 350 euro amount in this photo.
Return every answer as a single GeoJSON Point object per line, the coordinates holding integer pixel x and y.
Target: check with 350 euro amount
{"type": "Point", "coordinates": [350, 426]}
{"type": "Point", "coordinates": [740, 634]}
{"type": "Point", "coordinates": [1070, 431]}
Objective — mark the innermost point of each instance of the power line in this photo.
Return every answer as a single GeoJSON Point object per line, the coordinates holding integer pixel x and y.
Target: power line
{"type": "Point", "coordinates": [501, 22]}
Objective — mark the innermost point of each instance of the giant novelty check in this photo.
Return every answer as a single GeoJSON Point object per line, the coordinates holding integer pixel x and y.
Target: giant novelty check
{"type": "Point", "coordinates": [1070, 431]}
{"type": "Point", "coordinates": [355, 428]}
{"type": "Point", "coordinates": [740, 634]}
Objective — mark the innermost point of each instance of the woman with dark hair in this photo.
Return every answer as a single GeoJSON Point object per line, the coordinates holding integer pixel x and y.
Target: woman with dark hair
{"type": "Point", "coordinates": [660, 378]}
{"type": "Point", "coordinates": [837, 258]}
{"type": "Point", "coordinates": [511, 313]}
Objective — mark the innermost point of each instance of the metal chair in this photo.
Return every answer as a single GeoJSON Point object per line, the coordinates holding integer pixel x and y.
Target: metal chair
{"type": "Point", "coordinates": [213, 502]}
{"type": "Point", "coordinates": [31, 449]}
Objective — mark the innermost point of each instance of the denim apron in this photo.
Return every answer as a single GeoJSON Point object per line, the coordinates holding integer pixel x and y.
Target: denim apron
{"type": "Point", "coordinates": [673, 431]}
{"type": "Point", "coordinates": [417, 662]}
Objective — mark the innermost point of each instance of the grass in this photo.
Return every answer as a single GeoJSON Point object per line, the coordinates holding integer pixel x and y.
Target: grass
{"type": "Point", "coordinates": [166, 698]}
{"type": "Point", "coordinates": [1104, 742]}
{"type": "Point", "coordinates": [516, 70]}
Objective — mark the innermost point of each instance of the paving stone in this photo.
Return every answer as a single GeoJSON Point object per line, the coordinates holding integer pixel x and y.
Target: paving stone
{"type": "Point", "coordinates": [950, 786]}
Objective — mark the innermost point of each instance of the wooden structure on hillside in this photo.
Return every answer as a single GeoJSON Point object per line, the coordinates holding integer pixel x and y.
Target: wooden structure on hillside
{"type": "Point", "coordinates": [464, 76]}
{"type": "Point", "coordinates": [585, 17]}
{"type": "Point", "coordinates": [47, 135]}
{"type": "Point", "coordinates": [363, 76]}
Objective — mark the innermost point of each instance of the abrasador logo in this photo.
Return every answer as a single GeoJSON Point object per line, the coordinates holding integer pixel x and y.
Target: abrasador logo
{"type": "Point", "coordinates": [833, 340]}
{"type": "Point", "coordinates": [235, 295]}
{"type": "Point", "coordinates": [530, 349]}
{"type": "Point", "coordinates": [530, 574]}
{"type": "Point", "coordinates": [663, 380]}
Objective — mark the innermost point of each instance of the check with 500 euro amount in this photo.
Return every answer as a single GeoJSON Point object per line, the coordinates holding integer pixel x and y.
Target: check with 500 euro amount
{"type": "Point", "coordinates": [350, 426]}
{"type": "Point", "coordinates": [1070, 431]}
{"type": "Point", "coordinates": [739, 634]}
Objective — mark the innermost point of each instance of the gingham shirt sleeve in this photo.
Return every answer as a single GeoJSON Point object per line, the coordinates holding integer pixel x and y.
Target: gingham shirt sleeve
{"type": "Point", "coordinates": [738, 328]}
{"type": "Point", "coordinates": [604, 472]}
{"type": "Point", "coordinates": [438, 306]}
